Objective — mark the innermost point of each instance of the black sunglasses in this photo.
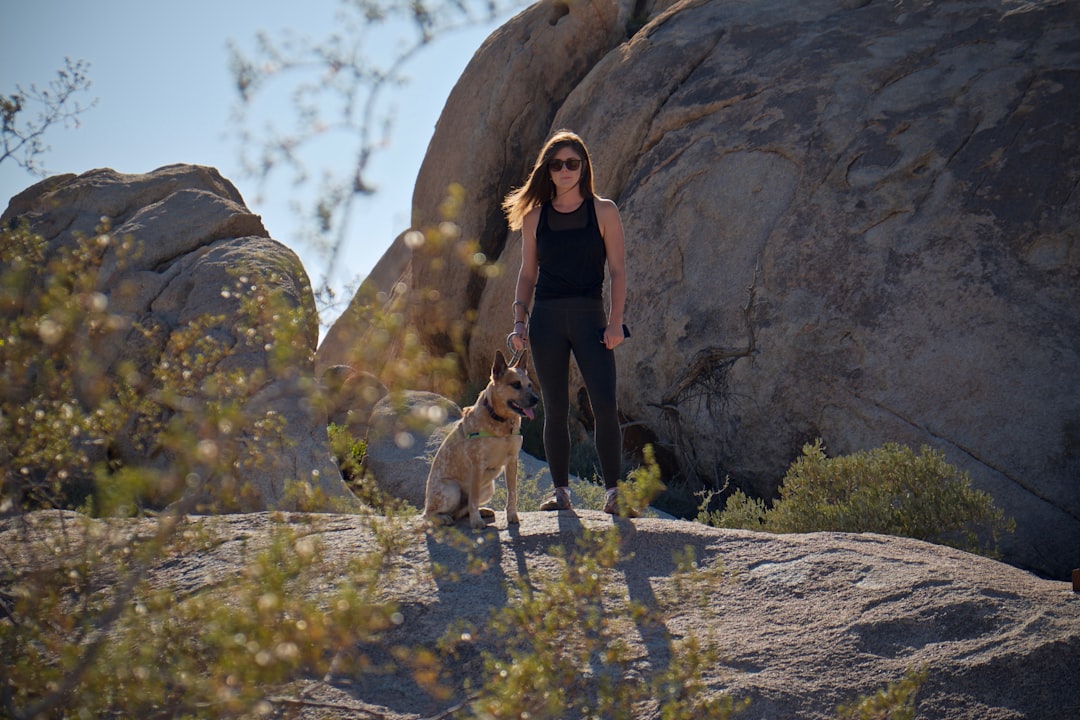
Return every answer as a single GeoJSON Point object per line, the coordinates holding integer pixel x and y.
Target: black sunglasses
{"type": "Point", "coordinates": [572, 164]}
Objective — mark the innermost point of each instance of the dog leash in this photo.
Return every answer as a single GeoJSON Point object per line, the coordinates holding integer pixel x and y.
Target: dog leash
{"type": "Point", "coordinates": [514, 354]}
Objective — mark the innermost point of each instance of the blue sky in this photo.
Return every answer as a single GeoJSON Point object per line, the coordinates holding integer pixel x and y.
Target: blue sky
{"type": "Point", "coordinates": [165, 95]}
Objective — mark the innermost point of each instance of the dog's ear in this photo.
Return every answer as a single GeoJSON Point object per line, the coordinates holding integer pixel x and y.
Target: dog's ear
{"type": "Point", "coordinates": [498, 367]}
{"type": "Point", "coordinates": [520, 361]}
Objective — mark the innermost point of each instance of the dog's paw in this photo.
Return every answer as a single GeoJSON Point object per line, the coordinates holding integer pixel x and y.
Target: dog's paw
{"type": "Point", "coordinates": [512, 518]}
{"type": "Point", "coordinates": [478, 524]}
{"type": "Point", "coordinates": [439, 519]}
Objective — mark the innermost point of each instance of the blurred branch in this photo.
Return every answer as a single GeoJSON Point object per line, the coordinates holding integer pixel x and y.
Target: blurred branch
{"type": "Point", "coordinates": [337, 87]}
{"type": "Point", "coordinates": [22, 138]}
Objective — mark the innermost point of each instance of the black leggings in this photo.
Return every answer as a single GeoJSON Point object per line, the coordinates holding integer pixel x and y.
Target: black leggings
{"type": "Point", "coordinates": [557, 328]}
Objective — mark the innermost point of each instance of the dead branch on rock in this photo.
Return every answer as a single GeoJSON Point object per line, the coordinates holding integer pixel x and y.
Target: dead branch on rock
{"type": "Point", "coordinates": [706, 382]}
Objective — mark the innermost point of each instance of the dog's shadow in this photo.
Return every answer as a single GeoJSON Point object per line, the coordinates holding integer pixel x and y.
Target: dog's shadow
{"type": "Point", "coordinates": [460, 556]}
{"type": "Point", "coordinates": [466, 570]}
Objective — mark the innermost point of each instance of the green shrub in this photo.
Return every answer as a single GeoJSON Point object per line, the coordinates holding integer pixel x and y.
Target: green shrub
{"type": "Point", "coordinates": [740, 512]}
{"type": "Point", "coordinates": [348, 451]}
{"type": "Point", "coordinates": [889, 490]}
{"type": "Point", "coordinates": [349, 454]}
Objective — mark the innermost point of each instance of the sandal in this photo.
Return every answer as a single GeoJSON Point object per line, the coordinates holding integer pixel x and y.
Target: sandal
{"type": "Point", "coordinates": [611, 506]}
{"type": "Point", "coordinates": [559, 500]}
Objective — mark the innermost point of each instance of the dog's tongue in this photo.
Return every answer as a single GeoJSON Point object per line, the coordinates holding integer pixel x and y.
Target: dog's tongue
{"type": "Point", "coordinates": [529, 413]}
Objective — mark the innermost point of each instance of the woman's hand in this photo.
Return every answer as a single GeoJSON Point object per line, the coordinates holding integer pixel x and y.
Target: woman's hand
{"type": "Point", "coordinates": [613, 336]}
{"type": "Point", "coordinates": [517, 338]}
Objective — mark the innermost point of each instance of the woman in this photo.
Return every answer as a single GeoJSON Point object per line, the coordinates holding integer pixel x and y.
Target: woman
{"type": "Point", "coordinates": [568, 235]}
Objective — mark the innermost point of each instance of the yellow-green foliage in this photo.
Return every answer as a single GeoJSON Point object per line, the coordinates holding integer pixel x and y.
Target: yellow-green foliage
{"type": "Point", "coordinates": [890, 490]}
{"type": "Point", "coordinates": [192, 411]}
{"type": "Point", "coordinates": [896, 701]}
{"type": "Point", "coordinates": [83, 632]}
{"type": "Point", "coordinates": [530, 494]}
{"type": "Point", "coordinates": [349, 452]}
{"type": "Point", "coordinates": [640, 488]}
{"type": "Point", "coordinates": [562, 649]}
{"type": "Point", "coordinates": [57, 407]}
{"type": "Point", "coordinates": [95, 640]}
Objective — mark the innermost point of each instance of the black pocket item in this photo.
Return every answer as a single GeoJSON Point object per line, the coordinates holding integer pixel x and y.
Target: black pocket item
{"type": "Point", "coordinates": [625, 332]}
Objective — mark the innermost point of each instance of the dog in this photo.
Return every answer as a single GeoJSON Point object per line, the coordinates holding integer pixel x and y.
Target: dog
{"type": "Point", "coordinates": [483, 443]}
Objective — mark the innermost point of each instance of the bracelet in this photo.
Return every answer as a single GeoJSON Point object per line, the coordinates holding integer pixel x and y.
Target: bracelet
{"type": "Point", "coordinates": [519, 322]}
{"type": "Point", "coordinates": [524, 307]}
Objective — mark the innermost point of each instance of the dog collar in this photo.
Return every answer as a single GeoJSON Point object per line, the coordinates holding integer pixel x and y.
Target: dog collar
{"type": "Point", "coordinates": [481, 433]}
{"type": "Point", "coordinates": [491, 411]}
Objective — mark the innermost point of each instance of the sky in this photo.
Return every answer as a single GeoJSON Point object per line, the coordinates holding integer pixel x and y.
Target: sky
{"type": "Point", "coordinates": [165, 94]}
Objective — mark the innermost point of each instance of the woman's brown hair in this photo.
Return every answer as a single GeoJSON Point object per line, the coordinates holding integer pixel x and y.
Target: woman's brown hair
{"type": "Point", "coordinates": [539, 189]}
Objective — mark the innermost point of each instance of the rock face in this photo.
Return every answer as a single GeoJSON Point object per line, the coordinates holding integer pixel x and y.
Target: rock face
{"type": "Point", "coordinates": [353, 341]}
{"type": "Point", "coordinates": [847, 220]}
{"type": "Point", "coordinates": [804, 622]}
{"type": "Point", "coordinates": [192, 251]}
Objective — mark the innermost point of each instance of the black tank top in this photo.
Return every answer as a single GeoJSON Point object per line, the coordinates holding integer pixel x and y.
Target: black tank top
{"type": "Point", "coordinates": [570, 252]}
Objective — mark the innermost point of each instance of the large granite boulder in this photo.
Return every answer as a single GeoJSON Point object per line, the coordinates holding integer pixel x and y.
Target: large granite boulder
{"type": "Point", "coordinates": [404, 433]}
{"type": "Point", "coordinates": [355, 340]}
{"type": "Point", "coordinates": [192, 280]}
{"type": "Point", "coordinates": [505, 99]}
{"type": "Point", "coordinates": [847, 220]}
{"type": "Point", "coordinates": [519, 77]}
